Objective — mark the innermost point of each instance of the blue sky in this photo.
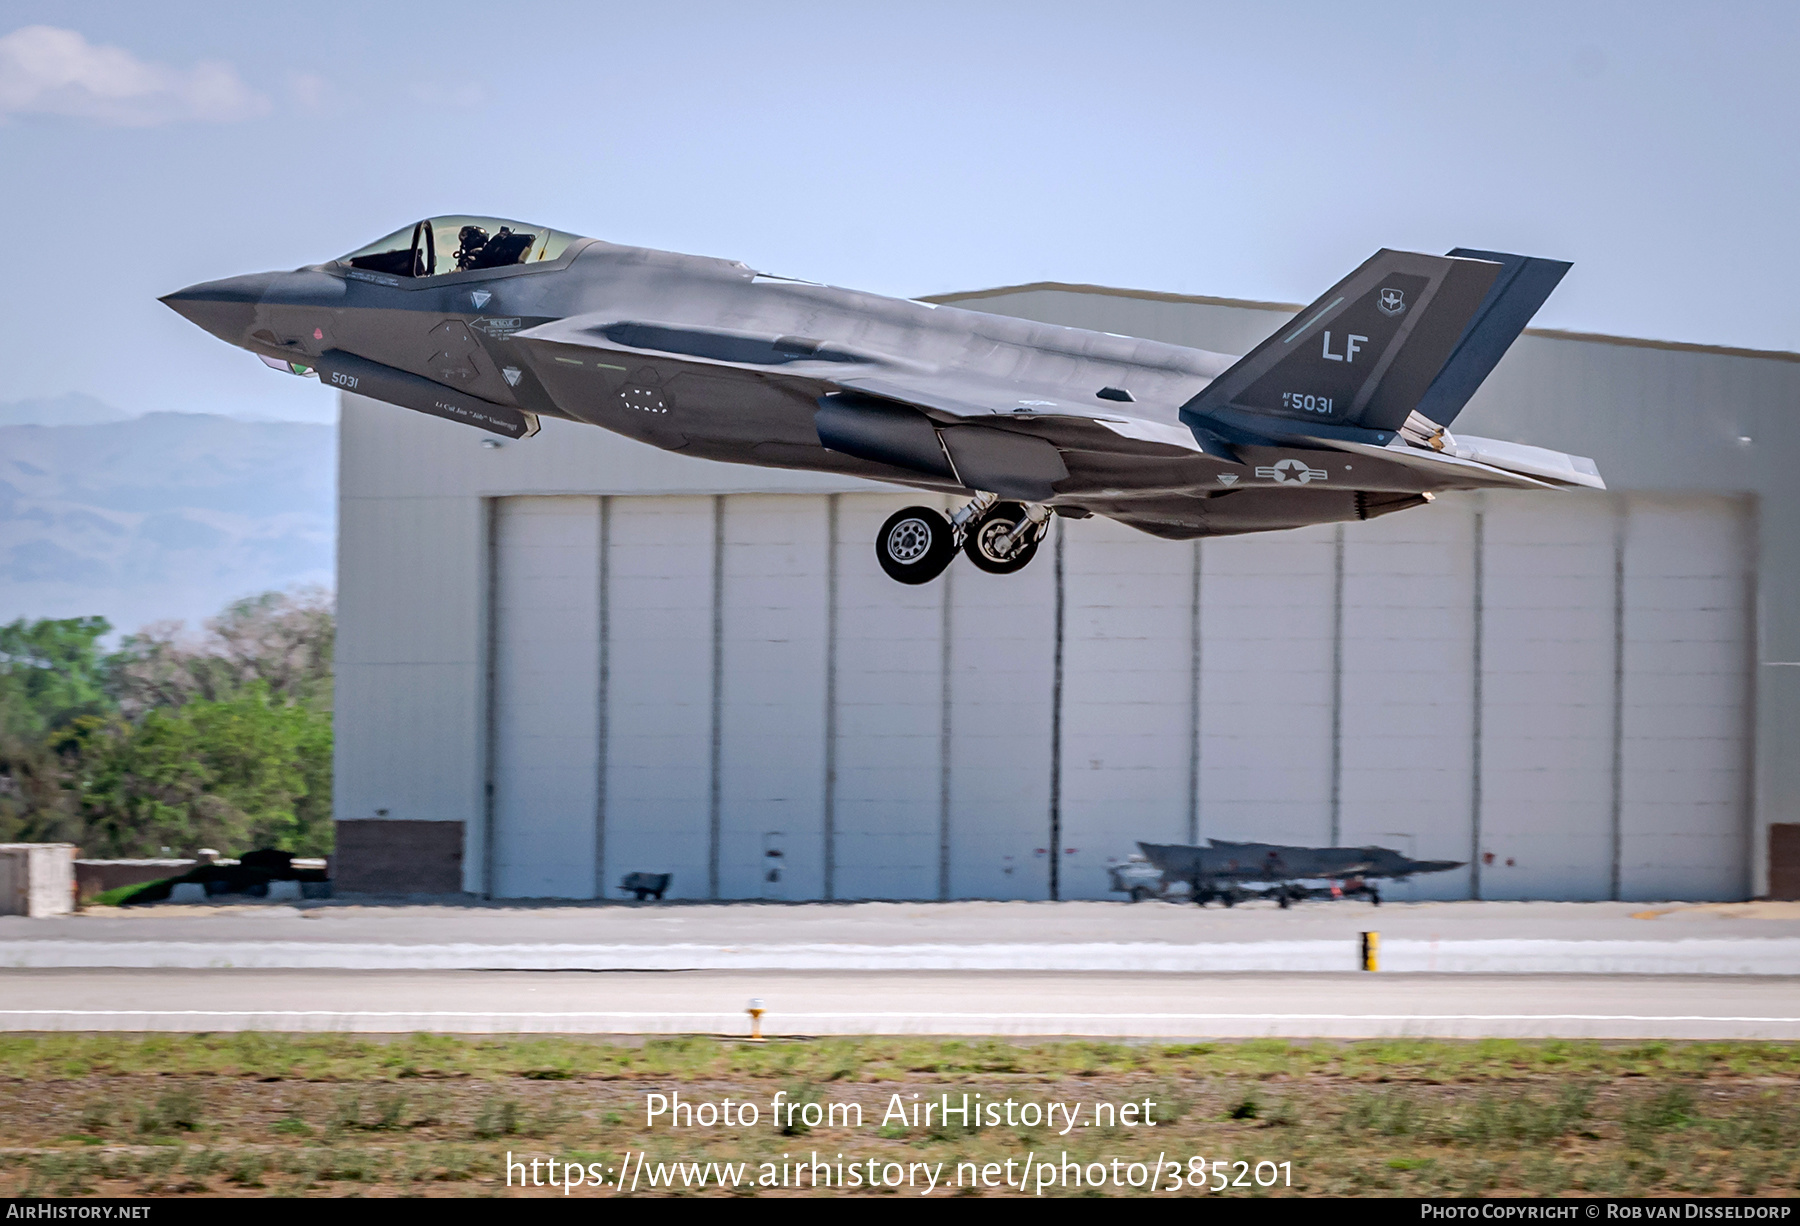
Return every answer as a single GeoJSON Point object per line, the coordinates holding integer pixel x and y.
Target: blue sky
{"type": "Point", "coordinates": [1254, 151]}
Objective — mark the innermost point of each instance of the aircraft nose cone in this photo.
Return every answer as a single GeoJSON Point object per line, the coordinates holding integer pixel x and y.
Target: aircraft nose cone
{"type": "Point", "coordinates": [227, 308]}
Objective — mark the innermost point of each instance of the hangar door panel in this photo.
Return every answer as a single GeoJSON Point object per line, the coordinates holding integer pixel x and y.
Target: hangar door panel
{"type": "Point", "coordinates": [661, 691]}
{"type": "Point", "coordinates": [888, 798]}
{"type": "Point", "coordinates": [1002, 684]}
{"type": "Point", "coordinates": [1548, 656]}
{"type": "Point", "coordinates": [1685, 739]}
{"type": "Point", "coordinates": [1128, 685]}
{"type": "Point", "coordinates": [1407, 718]}
{"type": "Point", "coordinates": [545, 702]}
{"type": "Point", "coordinates": [772, 619]}
{"type": "Point", "coordinates": [1265, 693]}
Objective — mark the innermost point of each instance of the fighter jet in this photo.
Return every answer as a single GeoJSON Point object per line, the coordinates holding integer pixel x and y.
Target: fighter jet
{"type": "Point", "coordinates": [1339, 862]}
{"type": "Point", "coordinates": [1340, 415]}
{"type": "Point", "coordinates": [1221, 870]}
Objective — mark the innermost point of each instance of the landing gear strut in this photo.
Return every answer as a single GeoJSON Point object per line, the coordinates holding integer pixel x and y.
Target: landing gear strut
{"type": "Point", "coordinates": [1006, 535]}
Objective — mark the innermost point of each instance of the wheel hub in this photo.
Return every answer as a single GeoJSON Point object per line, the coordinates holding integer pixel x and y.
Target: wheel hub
{"type": "Point", "coordinates": [995, 538]}
{"type": "Point", "coordinates": [909, 540]}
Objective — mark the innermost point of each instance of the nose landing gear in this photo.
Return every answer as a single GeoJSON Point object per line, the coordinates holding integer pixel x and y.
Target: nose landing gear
{"type": "Point", "coordinates": [917, 543]}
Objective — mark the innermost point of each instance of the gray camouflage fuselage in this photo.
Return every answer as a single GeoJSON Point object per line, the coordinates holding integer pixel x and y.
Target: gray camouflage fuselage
{"type": "Point", "coordinates": [1225, 862]}
{"type": "Point", "coordinates": [707, 357]}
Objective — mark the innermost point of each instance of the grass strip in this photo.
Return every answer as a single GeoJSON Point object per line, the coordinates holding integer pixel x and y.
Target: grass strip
{"type": "Point", "coordinates": [433, 1114]}
{"type": "Point", "coordinates": [377, 1057]}
{"type": "Point", "coordinates": [123, 895]}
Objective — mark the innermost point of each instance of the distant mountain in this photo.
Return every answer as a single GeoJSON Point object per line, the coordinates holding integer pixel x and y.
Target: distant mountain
{"type": "Point", "coordinates": [165, 516]}
{"type": "Point", "coordinates": [72, 409]}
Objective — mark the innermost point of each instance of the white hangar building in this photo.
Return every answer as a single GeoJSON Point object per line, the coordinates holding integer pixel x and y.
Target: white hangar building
{"type": "Point", "coordinates": [568, 658]}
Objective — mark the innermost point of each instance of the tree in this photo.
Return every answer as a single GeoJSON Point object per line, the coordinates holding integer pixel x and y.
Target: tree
{"type": "Point", "coordinates": [284, 640]}
{"type": "Point", "coordinates": [235, 773]}
{"type": "Point", "coordinates": [39, 802]}
{"type": "Point", "coordinates": [52, 672]}
{"type": "Point", "coordinates": [220, 741]}
{"type": "Point", "coordinates": [51, 677]}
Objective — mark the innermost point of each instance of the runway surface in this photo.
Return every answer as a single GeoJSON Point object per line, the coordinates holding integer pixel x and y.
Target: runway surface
{"type": "Point", "coordinates": [1147, 1005]}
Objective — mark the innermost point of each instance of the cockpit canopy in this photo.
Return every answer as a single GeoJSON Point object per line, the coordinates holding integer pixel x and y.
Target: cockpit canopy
{"type": "Point", "coordinates": [444, 245]}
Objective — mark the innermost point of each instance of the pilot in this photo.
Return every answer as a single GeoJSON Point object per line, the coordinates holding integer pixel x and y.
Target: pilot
{"type": "Point", "coordinates": [470, 241]}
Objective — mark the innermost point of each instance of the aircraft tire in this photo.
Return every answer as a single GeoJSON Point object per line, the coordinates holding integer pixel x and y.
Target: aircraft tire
{"type": "Point", "coordinates": [1001, 518]}
{"type": "Point", "coordinates": [915, 545]}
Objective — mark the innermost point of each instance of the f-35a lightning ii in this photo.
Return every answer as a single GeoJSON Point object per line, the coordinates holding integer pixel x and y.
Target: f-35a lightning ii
{"type": "Point", "coordinates": [1337, 862]}
{"type": "Point", "coordinates": [1222, 868]}
{"type": "Point", "coordinates": [1340, 415]}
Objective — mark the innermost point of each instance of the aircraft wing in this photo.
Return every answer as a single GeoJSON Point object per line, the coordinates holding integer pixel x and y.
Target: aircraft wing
{"type": "Point", "coordinates": [998, 430]}
{"type": "Point", "coordinates": [1001, 403]}
{"type": "Point", "coordinates": [943, 394]}
{"type": "Point", "coordinates": [1463, 460]}
{"type": "Point", "coordinates": [998, 435]}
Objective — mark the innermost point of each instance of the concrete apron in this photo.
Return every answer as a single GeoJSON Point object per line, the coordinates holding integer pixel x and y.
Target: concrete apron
{"type": "Point", "coordinates": [1744, 956]}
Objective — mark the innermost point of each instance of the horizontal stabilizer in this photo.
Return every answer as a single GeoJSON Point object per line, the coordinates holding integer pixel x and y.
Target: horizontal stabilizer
{"type": "Point", "coordinates": [1542, 462]}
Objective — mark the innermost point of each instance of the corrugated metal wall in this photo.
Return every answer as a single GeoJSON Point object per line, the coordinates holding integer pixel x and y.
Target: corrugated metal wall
{"type": "Point", "coordinates": [1557, 687]}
